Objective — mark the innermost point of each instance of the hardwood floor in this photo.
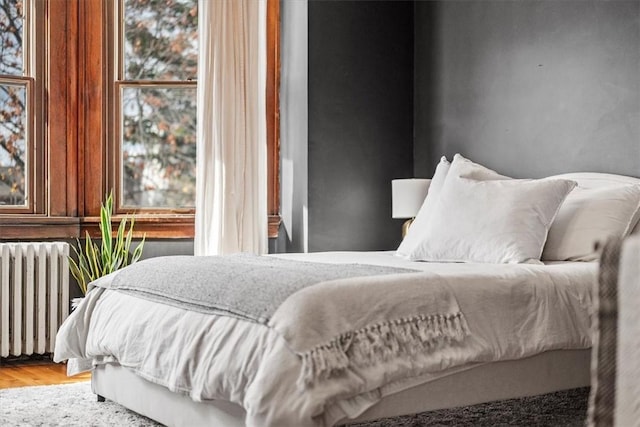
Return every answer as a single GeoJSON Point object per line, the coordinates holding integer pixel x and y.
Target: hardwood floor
{"type": "Point", "coordinates": [38, 372]}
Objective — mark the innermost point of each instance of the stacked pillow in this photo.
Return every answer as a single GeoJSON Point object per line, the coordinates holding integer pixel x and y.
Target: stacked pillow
{"type": "Point", "coordinates": [473, 214]}
{"type": "Point", "coordinates": [412, 239]}
{"type": "Point", "coordinates": [602, 206]}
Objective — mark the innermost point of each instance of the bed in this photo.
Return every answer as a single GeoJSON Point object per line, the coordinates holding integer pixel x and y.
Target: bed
{"type": "Point", "coordinates": [334, 351]}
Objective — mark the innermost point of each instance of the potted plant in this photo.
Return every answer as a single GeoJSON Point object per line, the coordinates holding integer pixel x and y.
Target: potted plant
{"type": "Point", "coordinates": [113, 253]}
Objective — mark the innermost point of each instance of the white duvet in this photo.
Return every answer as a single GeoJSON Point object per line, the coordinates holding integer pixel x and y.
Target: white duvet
{"type": "Point", "coordinates": [512, 311]}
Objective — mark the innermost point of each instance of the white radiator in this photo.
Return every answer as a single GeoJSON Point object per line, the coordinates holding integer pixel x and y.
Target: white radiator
{"type": "Point", "coordinates": [34, 296]}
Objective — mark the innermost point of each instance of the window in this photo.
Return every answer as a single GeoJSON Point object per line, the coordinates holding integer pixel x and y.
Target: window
{"type": "Point", "coordinates": [17, 72]}
{"type": "Point", "coordinates": [155, 114]}
{"type": "Point", "coordinates": [120, 107]}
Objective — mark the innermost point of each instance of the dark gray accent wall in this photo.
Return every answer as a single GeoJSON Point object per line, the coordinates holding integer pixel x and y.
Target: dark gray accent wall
{"type": "Point", "coordinates": [530, 88]}
{"type": "Point", "coordinates": [360, 131]}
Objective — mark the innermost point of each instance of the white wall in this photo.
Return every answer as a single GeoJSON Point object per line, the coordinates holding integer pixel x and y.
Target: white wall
{"type": "Point", "coordinates": [294, 126]}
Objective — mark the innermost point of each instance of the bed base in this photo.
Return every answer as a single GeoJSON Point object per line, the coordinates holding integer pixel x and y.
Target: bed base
{"type": "Point", "coordinates": [544, 373]}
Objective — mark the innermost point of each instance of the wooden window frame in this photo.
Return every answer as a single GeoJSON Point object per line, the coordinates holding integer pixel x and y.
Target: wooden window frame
{"type": "Point", "coordinates": [76, 157]}
{"type": "Point", "coordinates": [55, 213]}
{"type": "Point", "coordinates": [33, 193]}
{"type": "Point", "coordinates": [116, 80]}
{"type": "Point", "coordinates": [115, 178]}
{"type": "Point", "coordinates": [164, 224]}
{"type": "Point", "coordinates": [34, 61]}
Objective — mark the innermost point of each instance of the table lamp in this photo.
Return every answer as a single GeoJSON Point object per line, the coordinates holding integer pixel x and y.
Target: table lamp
{"type": "Point", "coordinates": [407, 196]}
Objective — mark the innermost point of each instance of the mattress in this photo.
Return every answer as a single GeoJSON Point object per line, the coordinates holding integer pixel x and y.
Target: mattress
{"type": "Point", "coordinates": [513, 311]}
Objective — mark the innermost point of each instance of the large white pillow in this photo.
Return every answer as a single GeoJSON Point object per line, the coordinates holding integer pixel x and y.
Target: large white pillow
{"type": "Point", "coordinates": [459, 167]}
{"type": "Point", "coordinates": [602, 206]}
{"type": "Point", "coordinates": [412, 238]}
{"type": "Point", "coordinates": [494, 221]}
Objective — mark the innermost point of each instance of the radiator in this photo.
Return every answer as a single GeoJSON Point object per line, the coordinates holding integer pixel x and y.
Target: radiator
{"type": "Point", "coordinates": [34, 296]}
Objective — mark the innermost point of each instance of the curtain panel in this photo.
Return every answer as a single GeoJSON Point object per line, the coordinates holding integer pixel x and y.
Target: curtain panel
{"type": "Point", "coordinates": [231, 180]}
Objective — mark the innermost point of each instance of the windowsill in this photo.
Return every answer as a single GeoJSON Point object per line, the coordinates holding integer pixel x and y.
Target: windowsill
{"type": "Point", "coordinates": [14, 227]}
{"type": "Point", "coordinates": [154, 226]}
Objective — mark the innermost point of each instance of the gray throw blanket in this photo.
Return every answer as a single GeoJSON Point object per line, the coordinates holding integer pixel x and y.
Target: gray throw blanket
{"type": "Point", "coordinates": [334, 316]}
{"type": "Point", "coordinates": [245, 286]}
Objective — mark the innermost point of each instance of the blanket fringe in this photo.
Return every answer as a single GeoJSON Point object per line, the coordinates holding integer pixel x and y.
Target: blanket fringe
{"type": "Point", "coordinates": [380, 343]}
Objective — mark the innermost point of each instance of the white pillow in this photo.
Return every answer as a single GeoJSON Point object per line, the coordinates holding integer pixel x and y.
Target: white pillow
{"type": "Point", "coordinates": [412, 239]}
{"type": "Point", "coordinates": [495, 221]}
{"type": "Point", "coordinates": [591, 215]}
{"type": "Point", "coordinates": [459, 167]}
{"type": "Point", "coordinates": [598, 179]}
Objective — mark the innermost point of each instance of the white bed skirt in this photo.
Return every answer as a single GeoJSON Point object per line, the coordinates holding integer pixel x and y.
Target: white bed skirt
{"type": "Point", "coordinates": [544, 373]}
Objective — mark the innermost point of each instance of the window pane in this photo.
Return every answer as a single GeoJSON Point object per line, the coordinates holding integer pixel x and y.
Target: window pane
{"type": "Point", "coordinates": [11, 35]}
{"type": "Point", "coordinates": [159, 147]}
{"type": "Point", "coordinates": [13, 146]}
{"type": "Point", "coordinates": [160, 39]}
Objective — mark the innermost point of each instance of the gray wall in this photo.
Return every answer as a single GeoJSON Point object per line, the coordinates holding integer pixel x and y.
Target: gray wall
{"type": "Point", "coordinates": [163, 247]}
{"type": "Point", "coordinates": [293, 128]}
{"type": "Point", "coordinates": [360, 127]}
{"type": "Point", "coordinates": [530, 88]}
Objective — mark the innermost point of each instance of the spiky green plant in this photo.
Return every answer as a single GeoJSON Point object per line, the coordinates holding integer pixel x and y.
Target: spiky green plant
{"type": "Point", "coordinates": [113, 253]}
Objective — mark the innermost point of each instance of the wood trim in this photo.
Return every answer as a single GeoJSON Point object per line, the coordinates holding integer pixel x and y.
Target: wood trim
{"type": "Point", "coordinates": [61, 104]}
{"type": "Point", "coordinates": [273, 115]}
{"type": "Point", "coordinates": [38, 137]}
{"type": "Point", "coordinates": [274, 226]}
{"type": "Point", "coordinates": [38, 227]}
{"type": "Point", "coordinates": [56, 77]}
{"type": "Point", "coordinates": [68, 227]}
{"type": "Point", "coordinates": [72, 104]}
{"type": "Point", "coordinates": [151, 226]}
{"type": "Point", "coordinates": [92, 155]}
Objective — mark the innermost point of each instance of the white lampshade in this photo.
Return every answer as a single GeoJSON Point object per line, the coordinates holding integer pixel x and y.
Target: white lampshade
{"type": "Point", "coordinates": [407, 196]}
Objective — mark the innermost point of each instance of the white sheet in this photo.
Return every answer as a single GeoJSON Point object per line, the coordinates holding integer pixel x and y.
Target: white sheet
{"type": "Point", "coordinates": [513, 311]}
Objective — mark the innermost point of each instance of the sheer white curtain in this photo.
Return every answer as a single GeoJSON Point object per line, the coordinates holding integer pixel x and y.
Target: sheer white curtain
{"type": "Point", "coordinates": [231, 185]}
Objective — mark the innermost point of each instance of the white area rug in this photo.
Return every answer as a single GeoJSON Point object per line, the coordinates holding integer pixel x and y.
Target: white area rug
{"type": "Point", "coordinates": [75, 405]}
{"type": "Point", "coordinates": [63, 405]}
